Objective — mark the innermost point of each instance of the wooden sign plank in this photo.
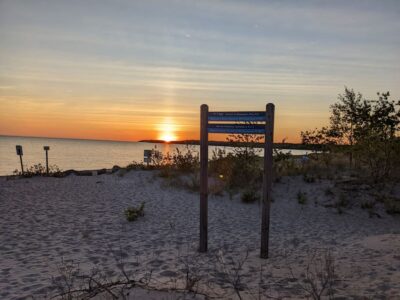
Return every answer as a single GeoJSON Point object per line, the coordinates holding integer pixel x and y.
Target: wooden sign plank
{"type": "Point", "coordinates": [245, 116]}
{"type": "Point", "coordinates": [237, 128]}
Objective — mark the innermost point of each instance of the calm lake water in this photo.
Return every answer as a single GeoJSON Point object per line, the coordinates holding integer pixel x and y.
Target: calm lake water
{"type": "Point", "coordinates": [79, 154]}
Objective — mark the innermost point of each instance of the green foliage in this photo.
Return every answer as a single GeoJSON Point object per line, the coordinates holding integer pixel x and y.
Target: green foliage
{"type": "Point", "coordinates": [241, 169]}
{"type": "Point", "coordinates": [132, 213]}
{"type": "Point", "coordinates": [301, 197]}
{"type": "Point", "coordinates": [250, 196]}
{"type": "Point", "coordinates": [367, 129]}
{"type": "Point", "coordinates": [188, 161]}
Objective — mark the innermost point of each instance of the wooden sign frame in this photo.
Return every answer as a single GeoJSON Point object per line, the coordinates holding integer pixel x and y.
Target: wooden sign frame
{"type": "Point", "coordinates": [266, 129]}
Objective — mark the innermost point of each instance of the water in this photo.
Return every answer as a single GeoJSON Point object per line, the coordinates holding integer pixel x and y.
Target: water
{"type": "Point", "coordinates": [78, 154]}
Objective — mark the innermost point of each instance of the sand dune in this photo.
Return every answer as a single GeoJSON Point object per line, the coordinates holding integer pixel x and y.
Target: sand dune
{"type": "Point", "coordinates": [45, 221]}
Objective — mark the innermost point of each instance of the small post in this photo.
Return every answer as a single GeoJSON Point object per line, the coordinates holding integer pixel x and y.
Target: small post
{"type": "Point", "coordinates": [267, 180]}
{"type": "Point", "coordinates": [47, 148]}
{"type": "Point", "coordinates": [203, 178]}
{"type": "Point", "coordinates": [18, 148]}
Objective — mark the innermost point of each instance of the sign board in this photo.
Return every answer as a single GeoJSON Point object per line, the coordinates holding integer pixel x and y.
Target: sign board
{"type": "Point", "coordinates": [19, 150]}
{"type": "Point", "coordinates": [237, 128]}
{"type": "Point", "coordinates": [147, 156]}
{"type": "Point", "coordinates": [46, 148]}
{"type": "Point", "coordinates": [267, 128]}
{"type": "Point", "coordinates": [243, 116]}
{"type": "Point", "coordinates": [147, 153]}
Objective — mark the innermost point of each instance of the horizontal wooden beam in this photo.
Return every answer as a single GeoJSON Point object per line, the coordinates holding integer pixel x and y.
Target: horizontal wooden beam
{"type": "Point", "coordinates": [244, 116]}
{"type": "Point", "coordinates": [237, 128]}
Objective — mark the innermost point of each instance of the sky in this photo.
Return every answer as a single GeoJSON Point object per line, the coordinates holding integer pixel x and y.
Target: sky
{"type": "Point", "coordinates": [132, 70]}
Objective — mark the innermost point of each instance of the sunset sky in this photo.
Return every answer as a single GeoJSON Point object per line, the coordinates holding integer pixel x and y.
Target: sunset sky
{"type": "Point", "coordinates": [131, 70]}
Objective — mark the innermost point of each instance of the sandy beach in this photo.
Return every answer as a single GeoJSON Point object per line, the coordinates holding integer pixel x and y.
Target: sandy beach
{"type": "Point", "coordinates": [80, 219]}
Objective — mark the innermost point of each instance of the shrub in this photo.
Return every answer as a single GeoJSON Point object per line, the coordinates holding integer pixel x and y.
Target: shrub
{"type": "Point", "coordinates": [193, 182]}
{"type": "Point", "coordinates": [329, 192]}
{"type": "Point", "coordinates": [132, 213]}
{"type": "Point", "coordinates": [250, 196]}
{"type": "Point", "coordinates": [186, 162]}
{"type": "Point", "coordinates": [368, 205]}
{"type": "Point", "coordinates": [135, 166]}
{"type": "Point", "coordinates": [308, 178]}
{"type": "Point", "coordinates": [392, 204]}
{"type": "Point", "coordinates": [341, 203]}
{"type": "Point", "coordinates": [237, 170]}
{"type": "Point", "coordinates": [40, 170]}
{"type": "Point", "coordinates": [301, 197]}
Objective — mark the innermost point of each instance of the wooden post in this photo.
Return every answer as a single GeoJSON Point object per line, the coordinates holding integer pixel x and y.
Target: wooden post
{"type": "Point", "coordinates": [22, 165]}
{"type": "Point", "coordinates": [203, 177]}
{"type": "Point", "coordinates": [47, 162]}
{"type": "Point", "coordinates": [47, 148]}
{"type": "Point", "coordinates": [267, 180]}
{"type": "Point", "coordinates": [20, 152]}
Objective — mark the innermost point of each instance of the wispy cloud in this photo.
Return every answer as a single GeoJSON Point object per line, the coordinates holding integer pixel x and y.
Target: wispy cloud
{"type": "Point", "coordinates": [107, 61]}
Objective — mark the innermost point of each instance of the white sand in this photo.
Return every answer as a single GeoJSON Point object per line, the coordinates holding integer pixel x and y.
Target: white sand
{"type": "Point", "coordinates": [43, 220]}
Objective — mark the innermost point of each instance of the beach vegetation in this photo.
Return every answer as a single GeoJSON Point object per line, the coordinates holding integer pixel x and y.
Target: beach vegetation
{"type": "Point", "coordinates": [240, 169]}
{"type": "Point", "coordinates": [309, 178]}
{"type": "Point", "coordinates": [40, 170]}
{"type": "Point", "coordinates": [366, 131]}
{"type": "Point", "coordinates": [319, 276]}
{"type": "Point", "coordinates": [186, 161]}
{"type": "Point", "coordinates": [368, 204]}
{"type": "Point", "coordinates": [341, 203]}
{"type": "Point", "coordinates": [329, 192]}
{"type": "Point", "coordinates": [301, 197]}
{"type": "Point", "coordinates": [250, 196]}
{"type": "Point", "coordinates": [391, 203]}
{"type": "Point", "coordinates": [132, 213]}
{"type": "Point", "coordinates": [134, 165]}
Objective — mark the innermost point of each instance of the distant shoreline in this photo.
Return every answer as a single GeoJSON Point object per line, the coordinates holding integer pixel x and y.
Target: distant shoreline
{"type": "Point", "coordinates": [289, 146]}
{"type": "Point", "coordinates": [233, 144]}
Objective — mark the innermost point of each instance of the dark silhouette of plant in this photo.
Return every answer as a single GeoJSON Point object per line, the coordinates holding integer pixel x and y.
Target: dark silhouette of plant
{"type": "Point", "coordinates": [132, 213]}
{"type": "Point", "coordinates": [368, 128]}
{"type": "Point", "coordinates": [40, 170]}
{"type": "Point", "coordinates": [320, 276]}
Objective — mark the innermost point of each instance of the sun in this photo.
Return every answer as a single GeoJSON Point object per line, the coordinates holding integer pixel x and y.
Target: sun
{"type": "Point", "coordinates": [167, 132]}
{"type": "Point", "coordinates": [168, 137]}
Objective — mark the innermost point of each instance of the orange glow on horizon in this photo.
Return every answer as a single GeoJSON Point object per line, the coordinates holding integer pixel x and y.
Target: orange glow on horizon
{"type": "Point", "coordinates": [167, 130]}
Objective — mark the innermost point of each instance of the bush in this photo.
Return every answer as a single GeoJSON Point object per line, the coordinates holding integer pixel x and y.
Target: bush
{"type": "Point", "coordinates": [40, 170]}
{"type": "Point", "coordinates": [329, 192]}
{"type": "Point", "coordinates": [237, 170]}
{"type": "Point", "coordinates": [135, 166]}
{"type": "Point", "coordinates": [392, 204]}
{"type": "Point", "coordinates": [301, 197]}
{"type": "Point", "coordinates": [308, 178]}
{"type": "Point", "coordinates": [187, 162]}
{"type": "Point", "coordinates": [132, 213]}
{"type": "Point", "coordinates": [250, 196]}
{"type": "Point", "coordinates": [368, 205]}
{"type": "Point", "coordinates": [369, 129]}
{"type": "Point", "coordinates": [181, 161]}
